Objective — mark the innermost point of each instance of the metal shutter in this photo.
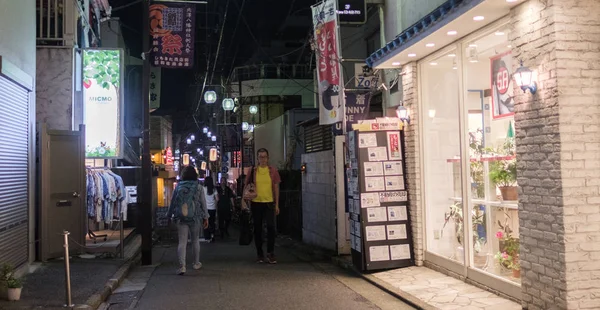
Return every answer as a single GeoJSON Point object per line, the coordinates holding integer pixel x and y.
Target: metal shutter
{"type": "Point", "coordinates": [14, 155]}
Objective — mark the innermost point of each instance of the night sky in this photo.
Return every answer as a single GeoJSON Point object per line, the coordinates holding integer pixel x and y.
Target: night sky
{"type": "Point", "coordinates": [263, 19]}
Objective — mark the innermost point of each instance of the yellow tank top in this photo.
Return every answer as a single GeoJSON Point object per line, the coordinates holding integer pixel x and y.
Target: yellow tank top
{"type": "Point", "coordinates": [264, 186]}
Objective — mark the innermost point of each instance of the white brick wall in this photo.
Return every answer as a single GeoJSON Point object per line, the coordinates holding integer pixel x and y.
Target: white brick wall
{"type": "Point", "coordinates": [560, 183]}
{"type": "Point", "coordinates": [412, 149]}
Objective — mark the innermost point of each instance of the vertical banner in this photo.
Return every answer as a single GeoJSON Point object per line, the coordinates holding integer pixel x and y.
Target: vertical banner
{"type": "Point", "coordinates": [102, 102]}
{"type": "Point", "coordinates": [172, 28]}
{"type": "Point", "coordinates": [502, 90]}
{"type": "Point", "coordinates": [329, 80]}
{"type": "Point", "coordinates": [357, 109]}
{"type": "Point", "coordinates": [155, 82]}
{"type": "Point", "coordinates": [230, 137]}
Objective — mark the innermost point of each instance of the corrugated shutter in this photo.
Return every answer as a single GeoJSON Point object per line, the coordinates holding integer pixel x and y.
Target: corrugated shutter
{"type": "Point", "coordinates": [14, 145]}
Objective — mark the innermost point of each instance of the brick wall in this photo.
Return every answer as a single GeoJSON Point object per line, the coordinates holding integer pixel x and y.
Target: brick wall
{"type": "Point", "coordinates": [318, 201]}
{"type": "Point", "coordinates": [558, 144]}
{"type": "Point", "coordinates": [413, 173]}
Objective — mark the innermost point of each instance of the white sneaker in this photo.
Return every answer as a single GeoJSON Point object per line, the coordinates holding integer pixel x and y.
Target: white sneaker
{"type": "Point", "coordinates": [181, 271]}
{"type": "Point", "coordinates": [197, 266]}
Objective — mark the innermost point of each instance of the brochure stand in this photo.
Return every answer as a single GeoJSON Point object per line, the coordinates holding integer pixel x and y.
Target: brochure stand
{"type": "Point", "coordinates": [377, 199]}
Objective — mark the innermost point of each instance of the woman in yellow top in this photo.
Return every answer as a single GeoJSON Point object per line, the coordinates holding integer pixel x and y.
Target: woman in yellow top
{"type": "Point", "coordinates": [265, 207]}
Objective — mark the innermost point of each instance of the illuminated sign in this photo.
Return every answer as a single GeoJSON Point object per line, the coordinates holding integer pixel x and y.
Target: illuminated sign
{"type": "Point", "coordinates": [102, 102]}
{"type": "Point", "coordinates": [213, 154]}
{"type": "Point", "coordinates": [203, 166]}
{"type": "Point", "coordinates": [169, 156]}
{"type": "Point", "coordinates": [186, 159]}
{"type": "Point", "coordinates": [352, 11]}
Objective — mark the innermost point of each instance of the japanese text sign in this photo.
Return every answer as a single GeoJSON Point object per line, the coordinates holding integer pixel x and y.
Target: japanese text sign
{"type": "Point", "coordinates": [357, 108]}
{"type": "Point", "coordinates": [172, 28]}
{"type": "Point", "coordinates": [328, 64]}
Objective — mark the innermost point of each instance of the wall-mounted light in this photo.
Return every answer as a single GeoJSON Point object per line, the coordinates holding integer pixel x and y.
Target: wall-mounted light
{"type": "Point", "coordinates": [432, 113]}
{"type": "Point", "coordinates": [403, 114]}
{"type": "Point", "coordinates": [524, 79]}
{"type": "Point", "coordinates": [253, 109]}
{"type": "Point", "coordinates": [210, 97]}
{"type": "Point", "coordinates": [303, 168]}
{"type": "Point", "coordinates": [228, 104]}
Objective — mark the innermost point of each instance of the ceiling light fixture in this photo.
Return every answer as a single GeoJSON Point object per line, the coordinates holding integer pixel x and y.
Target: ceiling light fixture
{"type": "Point", "coordinates": [430, 44]}
{"type": "Point", "coordinates": [396, 63]}
{"type": "Point", "coordinates": [478, 18]}
{"type": "Point", "coordinates": [433, 63]}
{"type": "Point", "coordinates": [452, 32]}
{"type": "Point", "coordinates": [412, 55]}
{"type": "Point", "coordinates": [472, 45]}
{"type": "Point", "coordinates": [499, 33]}
{"type": "Point", "coordinates": [511, 1]}
{"type": "Point", "coordinates": [452, 55]}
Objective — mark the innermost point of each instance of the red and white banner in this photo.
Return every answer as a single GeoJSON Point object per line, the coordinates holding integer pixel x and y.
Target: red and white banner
{"type": "Point", "coordinates": [331, 97]}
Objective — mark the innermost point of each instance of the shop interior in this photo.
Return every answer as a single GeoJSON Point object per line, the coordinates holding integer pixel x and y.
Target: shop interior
{"type": "Point", "coordinates": [491, 170]}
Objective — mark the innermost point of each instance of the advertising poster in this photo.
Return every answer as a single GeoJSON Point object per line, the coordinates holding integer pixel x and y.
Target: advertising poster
{"type": "Point", "coordinates": [369, 200]}
{"type": "Point", "coordinates": [502, 90]}
{"type": "Point", "coordinates": [102, 103]}
{"type": "Point", "coordinates": [377, 154]}
{"type": "Point", "coordinates": [375, 233]}
{"type": "Point", "coordinates": [373, 169]}
{"type": "Point", "coordinates": [400, 251]}
{"type": "Point", "coordinates": [374, 184]}
{"type": "Point", "coordinates": [397, 213]}
{"type": "Point", "coordinates": [357, 109]}
{"type": "Point", "coordinates": [393, 168]}
{"type": "Point", "coordinates": [394, 183]}
{"type": "Point", "coordinates": [394, 148]}
{"type": "Point", "coordinates": [377, 214]}
{"type": "Point", "coordinates": [396, 232]}
{"type": "Point", "coordinates": [397, 196]}
{"type": "Point", "coordinates": [172, 28]}
{"type": "Point", "coordinates": [379, 253]}
{"type": "Point", "coordinates": [367, 140]}
{"type": "Point", "coordinates": [328, 62]}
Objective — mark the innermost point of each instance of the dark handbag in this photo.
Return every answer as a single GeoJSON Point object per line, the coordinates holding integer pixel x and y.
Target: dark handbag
{"type": "Point", "coordinates": [246, 228]}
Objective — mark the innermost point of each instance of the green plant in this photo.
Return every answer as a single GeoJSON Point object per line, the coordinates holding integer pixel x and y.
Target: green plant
{"type": "Point", "coordinates": [7, 277]}
{"type": "Point", "coordinates": [503, 172]}
{"type": "Point", "coordinates": [477, 217]}
{"type": "Point", "coordinates": [509, 251]}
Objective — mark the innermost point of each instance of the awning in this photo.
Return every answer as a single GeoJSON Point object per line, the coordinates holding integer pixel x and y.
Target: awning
{"type": "Point", "coordinates": [449, 22]}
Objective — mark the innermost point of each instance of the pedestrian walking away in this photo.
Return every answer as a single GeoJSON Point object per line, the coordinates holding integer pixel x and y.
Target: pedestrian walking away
{"type": "Point", "coordinates": [188, 210]}
{"type": "Point", "coordinates": [225, 207]}
{"type": "Point", "coordinates": [211, 199]}
{"type": "Point", "coordinates": [265, 206]}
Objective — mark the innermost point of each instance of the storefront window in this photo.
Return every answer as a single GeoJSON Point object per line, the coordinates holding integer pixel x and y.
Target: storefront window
{"type": "Point", "coordinates": [487, 65]}
{"type": "Point", "coordinates": [440, 102]}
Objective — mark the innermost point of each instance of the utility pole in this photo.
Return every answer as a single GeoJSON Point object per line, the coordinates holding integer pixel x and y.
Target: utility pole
{"type": "Point", "coordinates": [240, 128]}
{"type": "Point", "coordinates": [145, 220]}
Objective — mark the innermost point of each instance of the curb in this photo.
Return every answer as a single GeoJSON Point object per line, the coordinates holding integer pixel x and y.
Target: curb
{"type": "Point", "coordinates": [94, 301]}
{"type": "Point", "coordinates": [390, 289]}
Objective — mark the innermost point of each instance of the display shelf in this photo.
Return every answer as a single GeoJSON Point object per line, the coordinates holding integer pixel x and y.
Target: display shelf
{"type": "Point", "coordinates": [501, 204]}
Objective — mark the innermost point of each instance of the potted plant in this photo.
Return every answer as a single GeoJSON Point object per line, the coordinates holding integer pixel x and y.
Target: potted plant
{"type": "Point", "coordinates": [503, 172]}
{"type": "Point", "coordinates": [455, 214]}
{"type": "Point", "coordinates": [476, 152]}
{"type": "Point", "coordinates": [11, 285]}
{"type": "Point", "coordinates": [508, 256]}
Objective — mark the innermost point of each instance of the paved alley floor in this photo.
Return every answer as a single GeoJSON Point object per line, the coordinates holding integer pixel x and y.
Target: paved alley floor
{"type": "Point", "coordinates": [230, 279]}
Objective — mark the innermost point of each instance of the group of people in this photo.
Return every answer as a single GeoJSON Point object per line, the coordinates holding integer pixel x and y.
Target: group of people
{"type": "Point", "coordinates": [196, 205]}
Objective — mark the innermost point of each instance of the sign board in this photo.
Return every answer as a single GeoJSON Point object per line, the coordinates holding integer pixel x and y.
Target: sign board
{"type": "Point", "coordinates": [203, 165]}
{"type": "Point", "coordinates": [103, 102]}
{"type": "Point", "coordinates": [172, 28]}
{"type": "Point", "coordinates": [357, 109]}
{"type": "Point", "coordinates": [352, 11]}
{"type": "Point", "coordinates": [213, 154]}
{"type": "Point", "coordinates": [362, 81]}
{"type": "Point", "coordinates": [186, 159]}
{"type": "Point", "coordinates": [155, 83]}
{"type": "Point", "coordinates": [169, 154]}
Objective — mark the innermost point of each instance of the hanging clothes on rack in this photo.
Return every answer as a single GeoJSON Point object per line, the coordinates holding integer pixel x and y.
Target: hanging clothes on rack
{"type": "Point", "coordinates": [106, 195]}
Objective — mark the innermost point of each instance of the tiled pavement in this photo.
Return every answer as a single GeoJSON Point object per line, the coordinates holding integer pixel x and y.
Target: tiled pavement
{"type": "Point", "coordinates": [440, 291]}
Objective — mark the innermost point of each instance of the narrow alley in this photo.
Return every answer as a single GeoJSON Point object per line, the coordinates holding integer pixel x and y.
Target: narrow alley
{"type": "Point", "coordinates": [230, 279]}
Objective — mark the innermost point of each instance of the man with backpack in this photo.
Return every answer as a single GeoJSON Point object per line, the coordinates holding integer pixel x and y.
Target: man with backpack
{"type": "Point", "coordinates": [189, 211]}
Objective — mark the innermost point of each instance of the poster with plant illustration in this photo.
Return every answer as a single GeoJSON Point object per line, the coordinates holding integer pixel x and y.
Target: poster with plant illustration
{"type": "Point", "coordinates": [102, 103]}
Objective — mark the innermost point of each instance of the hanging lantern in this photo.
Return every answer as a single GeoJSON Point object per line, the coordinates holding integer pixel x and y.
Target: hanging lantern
{"type": "Point", "coordinates": [245, 126]}
{"type": "Point", "coordinates": [214, 138]}
{"type": "Point", "coordinates": [253, 109]}
{"type": "Point", "coordinates": [228, 104]}
{"type": "Point", "coordinates": [210, 97]}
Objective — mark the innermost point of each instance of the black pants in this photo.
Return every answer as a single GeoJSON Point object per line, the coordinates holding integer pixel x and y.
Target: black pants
{"type": "Point", "coordinates": [264, 212]}
{"type": "Point", "coordinates": [224, 221]}
{"type": "Point", "coordinates": [209, 233]}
